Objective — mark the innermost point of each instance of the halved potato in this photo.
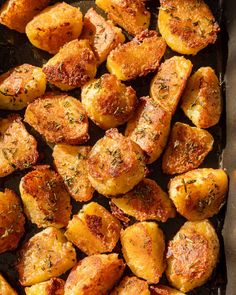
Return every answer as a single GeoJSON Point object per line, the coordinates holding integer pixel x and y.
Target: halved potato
{"type": "Point", "coordinates": [164, 290]}
{"type": "Point", "coordinates": [131, 286]}
{"type": "Point", "coordinates": [5, 288]}
{"type": "Point", "coordinates": [54, 286]}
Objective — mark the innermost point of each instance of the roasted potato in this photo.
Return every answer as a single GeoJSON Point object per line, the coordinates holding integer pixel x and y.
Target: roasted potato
{"type": "Point", "coordinates": [108, 102]}
{"type": "Point", "coordinates": [20, 86]}
{"type": "Point", "coordinates": [192, 255]}
{"type": "Point", "coordinates": [201, 101]}
{"type": "Point", "coordinates": [5, 288]}
{"type": "Point", "coordinates": [73, 66]}
{"type": "Point", "coordinates": [143, 248]}
{"type": "Point", "coordinates": [115, 164]}
{"type": "Point", "coordinates": [168, 84]}
{"type": "Point", "coordinates": [102, 34]}
{"type": "Point", "coordinates": [18, 149]}
{"type": "Point", "coordinates": [131, 15]}
{"type": "Point", "coordinates": [94, 275]}
{"type": "Point", "coordinates": [54, 286]}
{"type": "Point", "coordinates": [131, 286]}
{"type": "Point", "coordinates": [46, 255]}
{"type": "Point", "coordinates": [71, 164]}
{"type": "Point", "coordinates": [94, 230]}
{"type": "Point", "coordinates": [164, 290]}
{"type": "Point", "coordinates": [186, 149]}
{"type": "Point", "coordinates": [149, 128]}
{"type": "Point", "coordinates": [138, 57]}
{"type": "Point", "coordinates": [60, 118]}
{"type": "Point", "coordinates": [188, 26]}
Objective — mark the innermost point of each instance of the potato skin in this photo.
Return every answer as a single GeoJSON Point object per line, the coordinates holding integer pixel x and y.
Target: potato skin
{"type": "Point", "coordinates": [164, 290]}
{"type": "Point", "coordinates": [131, 286]}
{"type": "Point", "coordinates": [108, 102]}
{"type": "Point", "coordinates": [5, 288]}
{"type": "Point", "coordinates": [94, 275]}
{"type": "Point", "coordinates": [54, 286]}
{"type": "Point", "coordinates": [192, 255]}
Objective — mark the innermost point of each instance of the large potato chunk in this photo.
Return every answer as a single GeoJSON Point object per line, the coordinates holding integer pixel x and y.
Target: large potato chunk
{"type": "Point", "coordinates": [46, 255]}
{"type": "Point", "coordinates": [59, 118]}
{"type": "Point", "coordinates": [143, 248]}
{"type": "Point", "coordinates": [46, 201]}
{"type": "Point", "coordinates": [138, 57]}
{"type": "Point", "coordinates": [131, 286]}
{"type": "Point", "coordinates": [164, 290]}
{"type": "Point", "coordinates": [115, 164]}
{"type": "Point", "coordinates": [18, 149]}
{"type": "Point", "coordinates": [149, 128]}
{"type": "Point", "coordinates": [94, 275]}
{"type": "Point", "coordinates": [94, 230]}
{"type": "Point", "coordinates": [108, 102]}
{"type": "Point", "coordinates": [54, 286]}
{"type": "Point", "coordinates": [201, 101]}
{"type": "Point", "coordinates": [71, 164]}
{"type": "Point", "coordinates": [187, 25]}
{"type": "Point", "coordinates": [5, 288]}
{"type": "Point", "coordinates": [186, 149]}
{"type": "Point", "coordinates": [168, 84]}
{"type": "Point", "coordinates": [192, 255]}
{"type": "Point", "coordinates": [73, 66]}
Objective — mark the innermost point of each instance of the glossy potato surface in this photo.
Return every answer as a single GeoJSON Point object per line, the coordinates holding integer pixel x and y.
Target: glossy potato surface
{"type": "Point", "coordinates": [54, 286]}
{"type": "Point", "coordinates": [131, 286]}
{"type": "Point", "coordinates": [5, 288]}
{"type": "Point", "coordinates": [164, 290]}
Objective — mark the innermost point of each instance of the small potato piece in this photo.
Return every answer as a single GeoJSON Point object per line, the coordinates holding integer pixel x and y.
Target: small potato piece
{"type": "Point", "coordinates": [168, 84]}
{"type": "Point", "coordinates": [71, 164]}
{"type": "Point", "coordinates": [18, 149]}
{"type": "Point", "coordinates": [200, 193]}
{"type": "Point", "coordinates": [5, 288]}
{"type": "Point", "coordinates": [20, 86]}
{"type": "Point", "coordinates": [115, 164]}
{"type": "Point", "coordinates": [146, 201]}
{"type": "Point", "coordinates": [188, 26]}
{"type": "Point", "coordinates": [138, 57]}
{"type": "Point", "coordinates": [46, 255]}
{"type": "Point", "coordinates": [201, 101]}
{"type": "Point", "coordinates": [94, 230]}
{"type": "Point", "coordinates": [108, 102]}
{"type": "Point", "coordinates": [131, 286]}
{"type": "Point", "coordinates": [131, 15]}
{"type": "Point", "coordinates": [192, 255]}
{"type": "Point", "coordinates": [60, 118]}
{"type": "Point", "coordinates": [149, 128]}
{"type": "Point", "coordinates": [73, 66]}
{"type": "Point", "coordinates": [143, 248]}
{"type": "Point", "coordinates": [94, 275]}
{"type": "Point", "coordinates": [164, 290]}
{"type": "Point", "coordinates": [54, 286]}
{"type": "Point", "coordinates": [46, 201]}
{"type": "Point", "coordinates": [187, 148]}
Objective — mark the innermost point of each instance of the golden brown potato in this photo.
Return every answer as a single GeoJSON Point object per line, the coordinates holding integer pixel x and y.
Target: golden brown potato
{"type": "Point", "coordinates": [54, 286]}
{"type": "Point", "coordinates": [46, 201]}
{"type": "Point", "coordinates": [131, 286]}
{"type": "Point", "coordinates": [186, 149]}
{"type": "Point", "coordinates": [94, 230]}
{"type": "Point", "coordinates": [71, 164]}
{"type": "Point", "coordinates": [200, 193]}
{"type": "Point", "coordinates": [146, 201]}
{"type": "Point", "coordinates": [138, 57]}
{"type": "Point", "coordinates": [131, 15]}
{"type": "Point", "coordinates": [143, 248]}
{"type": "Point", "coordinates": [18, 149]}
{"type": "Point", "coordinates": [73, 66]}
{"type": "Point", "coordinates": [20, 86]}
{"type": "Point", "coordinates": [102, 34]}
{"type": "Point", "coordinates": [188, 26]}
{"type": "Point", "coordinates": [192, 255]}
{"type": "Point", "coordinates": [149, 128]}
{"type": "Point", "coordinates": [201, 101]}
{"type": "Point", "coordinates": [60, 118]}
{"type": "Point", "coordinates": [94, 275]}
{"type": "Point", "coordinates": [15, 14]}
{"type": "Point", "coordinates": [168, 84]}
{"type": "Point", "coordinates": [115, 164]}
{"type": "Point", "coordinates": [46, 255]}
{"type": "Point", "coordinates": [164, 290]}
{"type": "Point", "coordinates": [108, 102]}
{"type": "Point", "coordinates": [5, 288]}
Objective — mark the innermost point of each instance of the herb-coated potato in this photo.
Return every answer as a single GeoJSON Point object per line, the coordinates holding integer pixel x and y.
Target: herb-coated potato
{"type": "Point", "coordinates": [138, 57]}
{"type": "Point", "coordinates": [187, 25]}
{"type": "Point", "coordinates": [46, 255]}
{"type": "Point", "coordinates": [131, 286]}
{"type": "Point", "coordinates": [168, 84]}
{"type": "Point", "coordinates": [94, 275]}
{"type": "Point", "coordinates": [60, 118]}
{"type": "Point", "coordinates": [54, 286]}
{"type": "Point", "coordinates": [115, 164]}
{"type": "Point", "coordinates": [164, 290]}
{"type": "Point", "coordinates": [192, 255]}
{"type": "Point", "coordinates": [143, 248]}
{"type": "Point", "coordinates": [20, 86]}
{"type": "Point", "coordinates": [201, 101]}
{"type": "Point", "coordinates": [108, 102]}
{"type": "Point", "coordinates": [5, 288]}
{"type": "Point", "coordinates": [187, 148]}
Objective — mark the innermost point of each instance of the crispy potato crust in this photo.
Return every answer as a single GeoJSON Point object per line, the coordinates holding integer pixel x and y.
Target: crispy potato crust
{"type": "Point", "coordinates": [164, 290]}
{"type": "Point", "coordinates": [131, 286]}
{"type": "Point", "coordinates": [5, 288]}
{"type": "Point", "coordinates": [54, 286]}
